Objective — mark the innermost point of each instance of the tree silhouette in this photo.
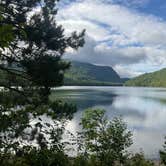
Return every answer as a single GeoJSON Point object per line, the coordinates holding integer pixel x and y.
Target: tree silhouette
{"type": "Point", "coordinates": [31, 49]}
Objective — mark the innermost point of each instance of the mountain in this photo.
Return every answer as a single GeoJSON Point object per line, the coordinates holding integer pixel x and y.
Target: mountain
{"type": "Point", "coordinates": [155, 79]}
{"type": "Point", "coordinates": [88, 74]}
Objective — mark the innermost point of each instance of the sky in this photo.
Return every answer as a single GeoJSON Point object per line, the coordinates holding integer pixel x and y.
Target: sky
{"type": "Point", "coordinates": [128, 35]}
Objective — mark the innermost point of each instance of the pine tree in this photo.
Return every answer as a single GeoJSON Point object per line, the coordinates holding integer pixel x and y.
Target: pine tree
{"type": "Point", "coordinates": [31, 49]}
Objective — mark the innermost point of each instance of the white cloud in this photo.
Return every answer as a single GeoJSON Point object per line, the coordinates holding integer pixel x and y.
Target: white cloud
{"type": "Point", "coordinates": [117, 35]}
{"type": "Point", "coordinates": [126, 72]}
{"type": "Point", "coordinates": [93, 30]}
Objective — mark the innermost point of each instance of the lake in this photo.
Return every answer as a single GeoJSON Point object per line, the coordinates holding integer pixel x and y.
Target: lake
{"type": "Point", "coordinates": [143, 109]}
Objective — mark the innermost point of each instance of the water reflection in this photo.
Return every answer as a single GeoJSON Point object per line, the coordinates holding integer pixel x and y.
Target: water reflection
{"type": "Point", "coordinates": [143, 109]}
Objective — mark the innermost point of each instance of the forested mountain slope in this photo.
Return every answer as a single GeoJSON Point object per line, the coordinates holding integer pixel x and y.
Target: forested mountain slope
{"type": "Point", "coordinates": [88, 74]}
{"type": "Point", "coordinates": [155, 79]}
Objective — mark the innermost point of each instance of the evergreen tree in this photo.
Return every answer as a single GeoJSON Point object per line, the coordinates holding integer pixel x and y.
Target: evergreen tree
{"type": "Point", "coordinates": [31, 50]}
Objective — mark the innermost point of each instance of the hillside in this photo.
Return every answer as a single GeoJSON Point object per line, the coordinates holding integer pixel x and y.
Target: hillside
{"type": "Point", "coordinates": [155, 79]}
{"type": "Point", "coordinates": [86, 74]}
{"type": "Point", "coordinates": [89, 74]}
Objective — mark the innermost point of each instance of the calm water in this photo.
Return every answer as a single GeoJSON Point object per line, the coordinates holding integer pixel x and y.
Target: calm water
{"type": "Point", "coordinates": [143, 109]}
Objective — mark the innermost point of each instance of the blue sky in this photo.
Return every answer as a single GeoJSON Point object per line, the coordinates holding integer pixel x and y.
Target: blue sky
{"type": "Point", "coordinates": [155, 7]}
{"type": "Point", "coordinates": [129, 35]}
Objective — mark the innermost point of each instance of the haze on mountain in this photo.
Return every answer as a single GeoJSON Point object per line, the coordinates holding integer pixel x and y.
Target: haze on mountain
{"type": "Point", "coordinates": [88, 74]}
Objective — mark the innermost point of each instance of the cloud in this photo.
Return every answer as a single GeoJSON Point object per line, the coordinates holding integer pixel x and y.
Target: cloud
{"type": "Point", "coordinates": [126, 72]}
{"type": "Point", "coordinates": [127, 61]}
{"type": "Point", "coordinates": [93, 30]}
{"type": "Point", "coordinates": [117, 35]}
{"type": "Point", "coordinates": [143, 28]}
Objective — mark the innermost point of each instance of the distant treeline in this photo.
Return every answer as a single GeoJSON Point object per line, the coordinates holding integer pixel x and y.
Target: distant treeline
{"type": "Point", "coordinates": [155, 79]}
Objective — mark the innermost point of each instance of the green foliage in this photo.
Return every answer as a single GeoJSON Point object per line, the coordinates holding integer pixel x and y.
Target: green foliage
{"type": "Point", "coordinates": [31, 64]}
{"type": "Point", "coordinates": [105, 140]}
{"type": "Point", "coordinates": [51, 76]}
{"type": "Point", "coordinates": [101, 143]}
{"type": "Point", "coordinates": [139, 160]}
{"type": "Point", "coordinates": [81, 160]}
{"type": "Point", "coordinates": [6, 31]}
{"type": "Point", "coordinates": [31, 126]}
{"type": "Point", "coordinates": [163, 154]}
{"type": "Point", "coordinates": [6, 34]}
{"type": "Point", "coordinates": [34, 157]}
{"type": "Point", "coordinates": [87, 74]}
{"type": "Point", "coordinates": [155, 79]}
